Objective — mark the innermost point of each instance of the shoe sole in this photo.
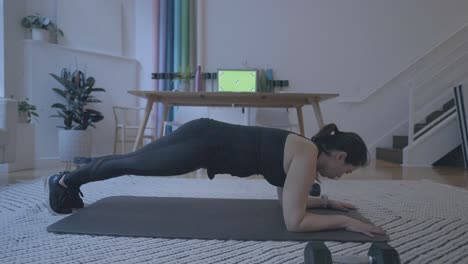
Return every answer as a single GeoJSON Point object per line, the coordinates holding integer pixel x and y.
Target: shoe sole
{"type": "Point", "coordinates": [47, 194]}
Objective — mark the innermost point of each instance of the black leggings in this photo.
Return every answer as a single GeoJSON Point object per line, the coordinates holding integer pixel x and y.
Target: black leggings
{"type": "Point", "coordinates": [184, 150]}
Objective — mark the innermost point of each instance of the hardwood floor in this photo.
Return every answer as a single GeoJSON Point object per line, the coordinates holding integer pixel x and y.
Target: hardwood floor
{"type": "Point", "coordinates": [377, 169]}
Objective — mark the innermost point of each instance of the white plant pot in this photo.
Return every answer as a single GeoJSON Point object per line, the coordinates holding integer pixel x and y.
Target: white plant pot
{"type": "Point", "coordinates": [40, 34]}
{"type": "Point", "coordinates": [74, 143]}
{"type": "Point", "coordinates": [22, 117]}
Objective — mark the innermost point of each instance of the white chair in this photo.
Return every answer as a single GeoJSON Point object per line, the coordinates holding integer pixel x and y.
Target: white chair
{"type": "Point", "coordinates": [126, 126]}
{"type": "Point", "coordinates": [274, 117]}
{"type": "Point", "coordinates": [8, 123]}
{"type": "Point", "coordinates": [172, 124]}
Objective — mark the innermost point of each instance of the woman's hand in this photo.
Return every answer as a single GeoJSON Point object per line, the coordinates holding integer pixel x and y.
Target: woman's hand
{"type": "Point", "coordinates": [342, 206]}
{"type": "Point", "coordinates": [369, 230]}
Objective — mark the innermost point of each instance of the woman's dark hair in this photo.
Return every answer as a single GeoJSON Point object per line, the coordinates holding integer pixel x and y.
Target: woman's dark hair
{"type": "Point", "coordinates": [330, 138]}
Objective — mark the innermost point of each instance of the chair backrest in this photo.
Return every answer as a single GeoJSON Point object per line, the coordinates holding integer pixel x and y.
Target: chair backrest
{"type": "Point", "coordinates": [127, 115]}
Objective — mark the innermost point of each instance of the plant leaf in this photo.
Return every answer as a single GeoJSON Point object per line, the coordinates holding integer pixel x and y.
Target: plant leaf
{"type": "Point", "coordinates": [66, 83]}
{"type": "Point", "coordinates": [98, 90]}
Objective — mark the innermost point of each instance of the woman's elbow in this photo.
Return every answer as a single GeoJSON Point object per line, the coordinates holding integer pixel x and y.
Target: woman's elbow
{"type": "Point", "coordinates": [293, 229]}
{"type": "Point", "coordinates": [294, 224]}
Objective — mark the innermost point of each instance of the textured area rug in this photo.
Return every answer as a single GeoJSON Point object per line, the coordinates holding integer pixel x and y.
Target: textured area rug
{"type": "Point", "coordinates": [426, 222]}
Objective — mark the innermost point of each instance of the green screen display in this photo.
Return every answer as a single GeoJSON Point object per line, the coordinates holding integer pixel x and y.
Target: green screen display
{"type": "Point", "coordinates": [237, 80]}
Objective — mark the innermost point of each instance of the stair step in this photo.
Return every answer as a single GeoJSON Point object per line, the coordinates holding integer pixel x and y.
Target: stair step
{"type": "Point", "coordinates": [400, 142]}
{"type": "Point", "coordinates": [449, 105]}
{"type": "Point", "coordinates": [395, 154]}
{"type": "Point", "coordinates": [418, 127]}
{"type": "Point", "coordinates": [433, 116]}
{"type": "Point", "coordinates": [390, 154]}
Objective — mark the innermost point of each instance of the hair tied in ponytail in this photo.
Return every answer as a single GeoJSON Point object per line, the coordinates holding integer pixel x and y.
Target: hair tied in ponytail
{"type": "Point", "coordinates": [330, 129]}
{"type": "Point", "coordinates": [329, 138]}
{"type": "Point", "coordinates": [327, 130]}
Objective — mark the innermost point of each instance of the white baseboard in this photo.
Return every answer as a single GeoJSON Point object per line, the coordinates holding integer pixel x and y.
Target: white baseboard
{"type": "Point", "coordinates": [48, 163]}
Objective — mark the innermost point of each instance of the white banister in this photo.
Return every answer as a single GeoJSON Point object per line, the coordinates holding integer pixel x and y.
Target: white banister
{"type": "Point", "coordinates": [460, 59]}
{"type": "Point", "coordinates": [411, 117]}
{"type": "Point", "coordinates": [442, 51]}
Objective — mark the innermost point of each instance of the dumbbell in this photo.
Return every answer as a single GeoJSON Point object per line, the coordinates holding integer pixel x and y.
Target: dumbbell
{"type": "Point", "coordinates": [315, 190]}
{"type": "Point", "coordinates": [379, 253]}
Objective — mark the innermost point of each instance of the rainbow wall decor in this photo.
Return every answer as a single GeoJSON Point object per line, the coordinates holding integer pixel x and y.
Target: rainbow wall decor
{"type": "Point", "coordinates": [175, 42]}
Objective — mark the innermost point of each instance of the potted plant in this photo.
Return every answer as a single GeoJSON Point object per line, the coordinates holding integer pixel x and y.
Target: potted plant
{"type": "Point", "coordinates": [40, 27]}
{"type": "Point", "coordinates": [26, 111]}
{"type": "Point", "coordinates": [75, 137]}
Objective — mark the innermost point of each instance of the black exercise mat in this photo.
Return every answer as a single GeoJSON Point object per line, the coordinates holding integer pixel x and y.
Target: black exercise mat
{"type": "Point", "coordinates": [195, 218]}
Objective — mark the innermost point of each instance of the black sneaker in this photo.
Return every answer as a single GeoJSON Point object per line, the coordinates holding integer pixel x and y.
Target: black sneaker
{"type": "Point", "coordinates": [62, 200]}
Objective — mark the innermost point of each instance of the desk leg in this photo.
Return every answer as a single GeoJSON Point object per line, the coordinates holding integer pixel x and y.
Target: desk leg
{"type": "Point", "coordinates": [300, 120]}
{"type": "Point", "coordinates": [141, 129]}
{"type": "Point", "coordinates": [318, 114]}
{"type": "Point", "coordinates": [164, 118]}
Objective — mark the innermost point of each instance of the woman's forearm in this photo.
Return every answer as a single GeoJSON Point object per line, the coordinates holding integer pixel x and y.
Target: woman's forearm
{"type": "Point", "coordinates": [314, 222]}
{"type": "Point", "coordinates": [315, 202]}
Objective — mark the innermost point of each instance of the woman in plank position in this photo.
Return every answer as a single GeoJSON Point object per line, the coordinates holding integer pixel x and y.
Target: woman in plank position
{"type": "Point", "coordinates": [285, 159]}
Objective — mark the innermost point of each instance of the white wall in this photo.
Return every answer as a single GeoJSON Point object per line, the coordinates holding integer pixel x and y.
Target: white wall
{"type": "Point", "coordinates": [338, 46]}
{"type": "Point", "coordinates": [115, 74]}
{"type": "Point", "coordinates": [123, 16]}
{"type": "Point", "coordinates": [320, 46]}
{"type": "Point", "coordinates": [2, 53]}
{"type": "Point", "coordinates": [44, 7]}
{"type": "Point", "coordinates": [91, 25]}
{"type": "Point", "coordinates": [13, 46]}
{"type": "Point", "coordinates": [128, 28]}
{"type": "Point", "coordinates": [144, 48]}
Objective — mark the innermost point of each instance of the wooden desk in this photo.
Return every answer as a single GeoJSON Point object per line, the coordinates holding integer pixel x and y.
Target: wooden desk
{"type": "Point", "coordinates": [230, 99]}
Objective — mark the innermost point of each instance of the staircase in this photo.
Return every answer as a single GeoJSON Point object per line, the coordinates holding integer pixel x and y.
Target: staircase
{"type": "Point", "coordinates": [428, 131]}
{"type": "Point", "coordinates": [395, 153]}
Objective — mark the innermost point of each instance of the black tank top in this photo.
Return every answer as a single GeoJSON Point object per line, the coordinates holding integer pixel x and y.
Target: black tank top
{"type": "Point", "coordinates": [246, 150]}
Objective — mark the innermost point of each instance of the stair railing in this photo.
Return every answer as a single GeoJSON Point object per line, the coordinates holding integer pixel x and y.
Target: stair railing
{"type": "Point", "coordinates": [435, 97]}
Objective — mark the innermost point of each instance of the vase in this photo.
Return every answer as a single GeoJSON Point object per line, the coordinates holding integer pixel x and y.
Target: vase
{"type": "Point", "coordinates": [199, 81]}
{"type": "Point", "coordinates": [184, 86]}
{"type": "Point", "coordinates": [74, 143]}
{"type": "Point", "coordinates": [40, 34]}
